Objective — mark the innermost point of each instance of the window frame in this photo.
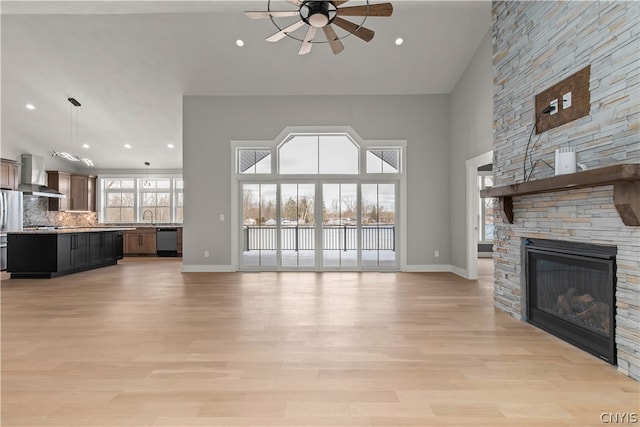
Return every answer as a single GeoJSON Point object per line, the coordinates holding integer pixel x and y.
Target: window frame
{"type": "Point", "coordinates": [138, 192]}
{"type": "Point", "coordinates": [237, 179]}
{"type": "Point", "coordinates": [482, 209]}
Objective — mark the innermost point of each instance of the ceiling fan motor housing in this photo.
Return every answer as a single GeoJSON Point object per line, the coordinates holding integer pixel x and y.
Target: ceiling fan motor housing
{"type": "Point", "coordinates": [318, 13]}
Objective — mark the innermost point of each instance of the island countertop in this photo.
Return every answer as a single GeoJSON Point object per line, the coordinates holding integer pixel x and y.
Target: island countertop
{"type": "Point", "coordinates": [66, 230]}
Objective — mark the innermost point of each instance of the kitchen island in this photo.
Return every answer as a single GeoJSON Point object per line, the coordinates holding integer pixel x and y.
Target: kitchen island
{"type": "Point", "coordinates": [48, 253]}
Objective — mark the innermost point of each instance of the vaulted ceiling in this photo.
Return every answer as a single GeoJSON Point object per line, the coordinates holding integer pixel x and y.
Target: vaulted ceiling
{"type": "Point", "coordinates": [130, 63]}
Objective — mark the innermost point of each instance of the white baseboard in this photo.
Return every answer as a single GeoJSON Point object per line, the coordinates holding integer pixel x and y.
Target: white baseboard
{"type": "Point", "coordinates": [460, 272]}
{"type": "Point", "coordinates": [207, 268]}
{"type": "Point", "coordinates": [428, 268]}
{"type": "Point", "coordinates": [414, 268]}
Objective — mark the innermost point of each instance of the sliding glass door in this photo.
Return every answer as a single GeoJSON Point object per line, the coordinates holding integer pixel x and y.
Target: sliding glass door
{"type": "Point", "coordinates": [352, 227]}
{"type": "Point", "coordinates": [297, 226]}
{"type": "Point", "coordinates": [379, 235]}
{"type": "Point", "coordinates": [259, 231]}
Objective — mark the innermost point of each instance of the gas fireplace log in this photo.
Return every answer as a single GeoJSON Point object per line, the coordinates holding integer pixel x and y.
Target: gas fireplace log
{"type": "Point", "coordinates": [597, 310]}
{"type": "Point", "coordinates": [585, 299]}
{"type": "Point", "coordinates": [564, 304]}
{"type": "Point", "coordinates": [586, 308]}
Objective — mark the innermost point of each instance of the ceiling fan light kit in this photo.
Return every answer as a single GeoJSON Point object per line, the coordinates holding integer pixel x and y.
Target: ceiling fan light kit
{"type": "Point", "coordinates": [321, 14]}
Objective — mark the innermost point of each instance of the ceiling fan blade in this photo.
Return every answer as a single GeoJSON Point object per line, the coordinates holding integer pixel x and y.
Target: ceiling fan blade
{"type": "Point", "coordinates": [283, 33]}
{"type": "Point", "coordinates": [358, 31]}
{"type": "Point", "coordinates": [295, 2]}
{"type": "Point", "coordinates": [332, 38]}
{"type": "Point", "coordinates": [266, 14]}
{"type": "Point", "coordinates": [382, 9]}
{"type": "Point", "coordinates": [306, 43]}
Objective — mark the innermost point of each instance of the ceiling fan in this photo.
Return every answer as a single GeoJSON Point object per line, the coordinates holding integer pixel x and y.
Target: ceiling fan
{"type": "Point", "coordinates": [321, 14]}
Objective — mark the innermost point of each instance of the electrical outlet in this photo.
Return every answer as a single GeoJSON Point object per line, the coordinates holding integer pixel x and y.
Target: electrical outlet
{"type": "Point", "coordinates": [436, 253]}
{"type": "Point", "coordinates": [221, 217]}
{"type": "Point", "coordinates": [206, 254]}
{"type": "Point", "coordinates": [566, 100]}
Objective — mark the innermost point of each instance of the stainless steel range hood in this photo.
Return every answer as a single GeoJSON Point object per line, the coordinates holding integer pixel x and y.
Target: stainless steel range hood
{"type": "Point", "coordinates": [33, 178]}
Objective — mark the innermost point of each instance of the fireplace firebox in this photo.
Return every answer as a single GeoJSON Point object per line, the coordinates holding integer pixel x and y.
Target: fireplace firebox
{"type": "Point", "coordinates": [571, 293]}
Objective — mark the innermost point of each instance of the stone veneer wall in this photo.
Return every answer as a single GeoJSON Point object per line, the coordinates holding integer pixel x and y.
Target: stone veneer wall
{"type": "Point", "coordinates": [537, 44]}
{"type": "Point", "coordinates": [36, 212]}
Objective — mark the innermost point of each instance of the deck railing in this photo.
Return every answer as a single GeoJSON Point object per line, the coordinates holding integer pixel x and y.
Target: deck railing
{"type": "Point", "coordinates": [334, 237]}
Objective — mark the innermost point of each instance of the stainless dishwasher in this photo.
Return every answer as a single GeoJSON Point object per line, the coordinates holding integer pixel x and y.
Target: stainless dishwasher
{"type": "Point", "coordinates": [167, 241]}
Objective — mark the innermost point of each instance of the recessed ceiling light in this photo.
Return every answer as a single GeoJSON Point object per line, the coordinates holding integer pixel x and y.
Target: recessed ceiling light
{"type": "Point", "coordinates": [399, 41]}
{"type": "Point", "coordinates": [171, 146]}
{"type": "Point", "coordinates": [30, 106]}
{"type": "Point", "coordinates": [85, 145]}
{"type": "Point", "coordinates": [127, 145]}
{"type": "Point", "coordinates": [239, 43]}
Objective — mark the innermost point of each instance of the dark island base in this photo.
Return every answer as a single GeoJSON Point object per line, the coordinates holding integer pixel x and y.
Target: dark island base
{"type": "Point", "coordinates": [48, 255]}
{"type": "Point", "coordinates": [52, 274]}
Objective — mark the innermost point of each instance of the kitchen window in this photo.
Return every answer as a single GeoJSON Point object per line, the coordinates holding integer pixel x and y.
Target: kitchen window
{"type": "Point", "coordinates": [119, 200]}
{"type": "Point", "coordinates": [154, 200]}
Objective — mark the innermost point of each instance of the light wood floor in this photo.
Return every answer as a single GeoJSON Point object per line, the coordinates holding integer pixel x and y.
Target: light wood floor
{"type": "Point", "coordinates": [141, 344]}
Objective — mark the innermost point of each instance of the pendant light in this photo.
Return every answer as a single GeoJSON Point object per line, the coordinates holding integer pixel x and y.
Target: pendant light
{"type": "Point", "coordinates": [146, 183]}
{"type": "Point", "coordinates": [69, 156]}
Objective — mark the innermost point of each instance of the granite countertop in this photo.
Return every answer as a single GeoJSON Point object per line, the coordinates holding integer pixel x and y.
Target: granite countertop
{"type": "Point", "coordinates": [143, 225]}
{"type": "Point", "coordinates": [66, 230]}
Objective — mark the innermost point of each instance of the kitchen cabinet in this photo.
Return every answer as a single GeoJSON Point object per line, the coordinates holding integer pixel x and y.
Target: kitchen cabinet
{"type": "Point", "coordinates": [9, 178]}
{"type": "Point", "coordinates": [51, 254]}
{"type": "Point", "coordinates": [141, 241]}
{"type": "Point", "coordinates": [73, 251]}
{"type": "Point", "coordinates": [91, 193]}
{"type": "Point", "coordinates": [101, 247]}
{"type": "Point", "coordinates": [80, 191]}
{"type": "Point", "coordinates": [60, 181]}
{"type": "Point", "coordinates": [118, 245]}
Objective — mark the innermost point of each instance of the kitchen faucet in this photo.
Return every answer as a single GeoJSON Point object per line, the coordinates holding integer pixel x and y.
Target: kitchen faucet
{"type": "Point", "coordinates": [144, 214]}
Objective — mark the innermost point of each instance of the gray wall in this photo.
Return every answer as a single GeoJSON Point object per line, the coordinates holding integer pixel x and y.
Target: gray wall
{"type": "Point", "coordinates": [212, 122]}
{"type": "Point", "coordinates": [471, 133]}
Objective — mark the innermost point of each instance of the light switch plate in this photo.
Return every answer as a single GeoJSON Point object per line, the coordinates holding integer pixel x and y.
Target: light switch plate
{"type": "Point", "coordinates": [566, 100]}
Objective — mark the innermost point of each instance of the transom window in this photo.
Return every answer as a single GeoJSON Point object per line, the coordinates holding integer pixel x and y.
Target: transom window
{"type": "Point", "coordinates": [319, 154]}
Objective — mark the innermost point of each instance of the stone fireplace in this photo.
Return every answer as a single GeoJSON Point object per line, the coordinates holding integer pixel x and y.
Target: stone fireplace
{"type": "Point", "coordinates": [535, 46]}
{"type": "Point", "coordinates": [580, 218]}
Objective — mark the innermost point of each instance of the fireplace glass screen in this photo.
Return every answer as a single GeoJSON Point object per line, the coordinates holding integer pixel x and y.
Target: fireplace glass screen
{"type": "Point", "coordinates": [570, 293]}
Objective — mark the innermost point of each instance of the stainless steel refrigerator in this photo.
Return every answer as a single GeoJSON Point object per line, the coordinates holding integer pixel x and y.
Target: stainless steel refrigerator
{"type": "Point", "coordinates": [10, 220]}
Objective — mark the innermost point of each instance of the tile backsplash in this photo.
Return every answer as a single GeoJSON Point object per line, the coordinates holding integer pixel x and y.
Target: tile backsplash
{"type": "Point", "coordinates": [36, 212]}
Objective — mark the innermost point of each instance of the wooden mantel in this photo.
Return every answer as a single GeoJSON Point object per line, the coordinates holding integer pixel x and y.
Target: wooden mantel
{"type": "Point", "coordinates": [625, 179]}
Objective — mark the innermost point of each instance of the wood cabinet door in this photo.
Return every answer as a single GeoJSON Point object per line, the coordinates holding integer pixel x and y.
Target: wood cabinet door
{"type": "Point", "coordinates": [91, 194]}
{"type": "Point", "coordinates": [131, 242]}
{"type": "Point", "coordinates": [9, 176]}
{"type": "Point", "coordinates": [95, 248]}
{"type": "Point", "coordinates": [179, 240]}
{"type": "Point", "coordinates": [81, 250]}
{"type": "Point", "coordinates": [60, 181]}
{"type": "Point", "coordinates": [65, 252]}
{"type": "Point", "coordinates": [79, 193]}
{"type": "Point", "coordinates": [149, 243]}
